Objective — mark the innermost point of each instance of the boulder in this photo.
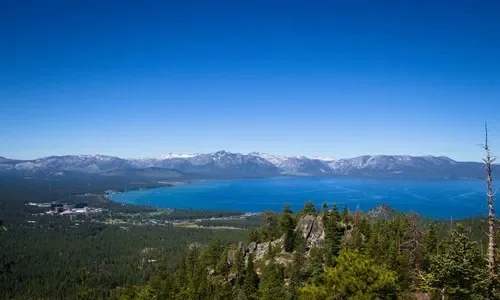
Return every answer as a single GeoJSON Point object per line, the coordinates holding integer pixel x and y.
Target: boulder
{"type": "Point", "coordinates": [231, 255]}
{"type": "Point", "coordinates": [252, 247]}
{"type": "Point", "coordinates": [305, 225]}
{"type": "Point", "coordinates": [263, 248]}
{"type": "Point", "coordinates": [312, 230]}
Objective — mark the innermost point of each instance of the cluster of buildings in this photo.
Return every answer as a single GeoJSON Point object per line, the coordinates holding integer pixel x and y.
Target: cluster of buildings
{"type": "Point", "coordinates": [65, 209]}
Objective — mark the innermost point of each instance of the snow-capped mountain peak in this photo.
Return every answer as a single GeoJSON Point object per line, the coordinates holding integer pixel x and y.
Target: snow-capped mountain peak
{"type": "Point", "coordinates": [95, 157]}
{"type": "Point", "coordinates": [256, 164]}
{"type": "Point", "coordinates": [274, 159]}
{"type": "Point", "coordinates": [327, 159]}
{"type": "Point", "coordinates": [176, 155]}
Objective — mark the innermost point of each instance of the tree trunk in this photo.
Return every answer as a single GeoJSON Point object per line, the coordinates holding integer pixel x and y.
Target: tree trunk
{"type": "Point", "coordinates": [415, 240]}
{"type": "Point", "coordinates": [491, 212]}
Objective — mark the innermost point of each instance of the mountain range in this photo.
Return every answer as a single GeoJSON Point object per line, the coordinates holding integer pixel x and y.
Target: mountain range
{"type": "Point", "coordinates": [223, 164]}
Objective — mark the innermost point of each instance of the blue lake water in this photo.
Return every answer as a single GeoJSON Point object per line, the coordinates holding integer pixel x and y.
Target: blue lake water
{"type": "Point", "coordinates": [432, 198]}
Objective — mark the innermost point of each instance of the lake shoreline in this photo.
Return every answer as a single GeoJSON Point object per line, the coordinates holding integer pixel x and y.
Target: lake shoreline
{"type": "Point", "coordinates": [437, 199]}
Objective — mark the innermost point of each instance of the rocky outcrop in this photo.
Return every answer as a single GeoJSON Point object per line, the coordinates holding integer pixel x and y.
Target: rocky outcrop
{"type": "Point", "coordinates": [261, 249]}
{"type": "Point", "coordinates": [382, 212]}
{"type": "Point", "coordinates": [310, 227]}
{"type": "Point", "coordinates": [312, 230]}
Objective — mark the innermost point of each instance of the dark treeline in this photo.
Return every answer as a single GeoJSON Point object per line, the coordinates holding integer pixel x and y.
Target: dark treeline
{"type": "Point", "coordinates": [182, 214]}
{"type": "Point", "coordinates": [245, 223]}
{"type": "Point", "coordinates": [52, 259]}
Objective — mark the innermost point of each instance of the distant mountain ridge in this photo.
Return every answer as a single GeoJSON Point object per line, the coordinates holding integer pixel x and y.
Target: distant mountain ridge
{"type": "Point", "coordinates": [223, 164]}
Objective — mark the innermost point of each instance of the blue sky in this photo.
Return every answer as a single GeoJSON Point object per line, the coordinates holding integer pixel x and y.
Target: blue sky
{"type": "Point", "coordinates": [341, 79]}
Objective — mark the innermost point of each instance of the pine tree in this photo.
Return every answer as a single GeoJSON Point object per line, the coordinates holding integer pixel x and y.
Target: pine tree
{"type": "Point", "coordinates": [254, 235]}
{"type": "Point", "coordinates": [326, 209]}
{"type": "Point", "coordinates": [355, 276]}
{"type": "Point", "coordinates": [222, 291]}
{"type": "Point", "coordinates": [239, 294]}
{"type": "Point", "coordinates": [431, 240]}
{"type": "Point", "coordinates": [128, 293]}
{"type": "Point", "coordinates": [270, 229]}
{"type": "Point", "coordinates": [458, 273]}
{"type": "Point", "coordinates": [296, 270]}
{"type": "Point", "coordinates": [287, 226]}
{"type": "Point", "coordinates": [239, 267]}
{"type": "Point", "coordinates": [316, 257]}
{"type": "Point", "coordinates": [204, 289]}
{"type": "Point", "coordinates": [389, 242]}
{"type": "Point", "coordinates": [309, 208]}
{"type": "Point", "coordinates": [162, 284]}
{"type": "Point", "coordinates": [345, 215]}
{"type": "Point", "coordinates": [251, 281]}
{"type": "Point", "coordinates": [333, 235]}
{"type": "Point", "coordinates": [326, 215]}
{"type": "Point", "coordinates": [398, 258]}
{"type": "Point", "coordinates": [195, 264]}
{"type": "Point", "coordinates": [181, 276]}
{"type": "Point", "coordinates": [271, 286]}
{"type": "Point", "coordinates": [146, 293]}
{"type": "Point", "coordinates": [360, 232]}
{"type": "Point", "coordinates": [84, 291]}
{"type": "Point", "coordinates": [335, 213]}
{"type": "Point", "coordinates": [430, 245]}
{"type": "Point", "coordinates": [211, 255]}
{"type": "Point", "coordinates": [223, 265]}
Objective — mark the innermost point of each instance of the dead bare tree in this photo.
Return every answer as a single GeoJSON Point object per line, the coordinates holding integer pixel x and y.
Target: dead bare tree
{"type": "Point", "coordinates": [416, 234]}
{"type": "Point", "coordinates": [489, 160]}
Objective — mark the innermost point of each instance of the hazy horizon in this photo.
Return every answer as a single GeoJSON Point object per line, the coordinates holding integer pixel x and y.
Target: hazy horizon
{"type": "Point", "coordinates": [330, 80]}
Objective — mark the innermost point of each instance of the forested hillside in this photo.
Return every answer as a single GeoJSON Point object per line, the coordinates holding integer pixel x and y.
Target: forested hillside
{"type": "Point", "coordinates": [330, 254]}
{"type": "Point", "coordinates": [60, 256]}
